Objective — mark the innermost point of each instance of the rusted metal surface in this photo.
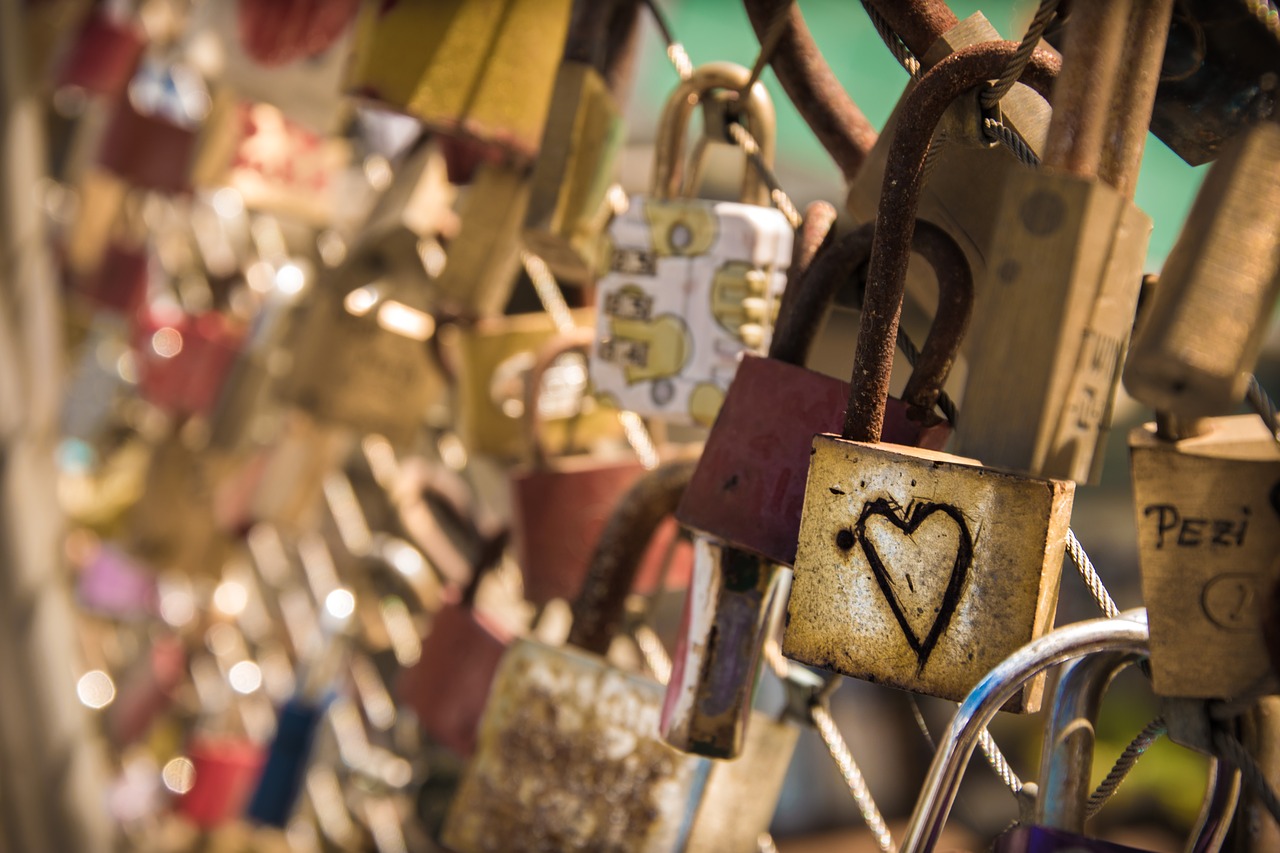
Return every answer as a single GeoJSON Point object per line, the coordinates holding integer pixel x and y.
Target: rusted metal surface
{"type": "Point", "coordinates": [815, 233]}
{"type": "Point", "coordinates": [1135, 94]}
{"type": "Point", "coordinates": [1207, 546]}
{"type": "Point", "coordinates": [811, 85]}
{"type": "Point", "coordinates": [904, 175]}
{"type": "Point", "coordinates": [569, 758]}
{"type": "Point", "coordinates": [922, 570]}
{"type": "Point", "coordinates": [598, 610]}
{"type": "Point", "coordinates": [1082, 96]}
{"type": "Point", "coordinates": [955, 307]}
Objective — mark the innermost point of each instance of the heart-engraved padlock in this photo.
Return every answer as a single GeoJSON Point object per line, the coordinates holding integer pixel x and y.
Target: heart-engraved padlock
{"type": "Point", "coordinates": [749, 486]}
{"type": "Point", "coordinates": [568, 205]}
{"type": "Point", "coordinates": [560, 505]}
{"type": "Point", "coordinates": [915, 568]}
{"type": "Point", "coordinates": [692, 283]}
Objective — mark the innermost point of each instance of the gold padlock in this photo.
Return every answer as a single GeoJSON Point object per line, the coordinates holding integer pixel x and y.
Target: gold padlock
{"type": "Point", "coordinates": [1199, 339]}
{"type": "Point", "coordinates": [481, 68]}
{"type": "Point", "coordinates": [1208, 513]}
{"type": "Point", "coordinates": [568, 207]}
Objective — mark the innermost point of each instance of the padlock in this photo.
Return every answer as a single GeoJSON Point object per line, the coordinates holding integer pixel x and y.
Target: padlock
{"type": "Point", "coordinates": [150, 139]}
{"type": "Point", "coordinates": [361, 355]}
{"type": "Point", "coordinates": [1051, 330]}
{"type": "Point", "coordinates": [282, 31]}
{"type": "Point", "coordinates": [492, 357]}
{"type": "Point", "coordinates": [568, 204]}
{"type": "Point", "coordinates": [1198, 341]}
{"type": "Point", "coordinates": [147, 690]}
{"type": "Point", "coordinates": [483, 70]}
{"type": "Point", "coordinates": [119, 284]}
{"type": "Point", "coordinates": [559, 507]}
{"type": "Point", "coordinates": [103, 54]}
{"type": "Point", "coordinates": [224, 771]}
{"type": "Point", "coordinates": [1207, 507]}
{"type": "Point", "coordinates": [915, 568]}
{"type": "Point", "coordinates": [112, 584]}
{"type": "Point", "coordinates": [1124, 634]}
{"type": "Point", "coordinates": [449, 685]}
{"type": "Point", "coordinates": [548, 770]}
{"type": "Point", "coordinates": [183, 359]}
{"type": "Point", "coordinates": [692, 284]}
{"type": "Point", "coordinates": [749, 486]}
{"type": "Point", "coordinates": [967, 172]}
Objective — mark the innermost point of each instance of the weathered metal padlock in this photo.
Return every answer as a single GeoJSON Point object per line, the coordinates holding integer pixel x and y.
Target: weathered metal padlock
{"type": "Point", "coordinates": [692, 284]}
{"type": "Point", "coordinates": [449, 686]}
{"type": "Point", "coordinates": [492, 358]}
{"type": "Point", "coordinates": [915, 568]}
{"type": "Point", "coordinates": [1208, 513]}
{"type": "Point", "coordinates": [749, 487]}
{"type": "Point", "coordinates": [966, 172]}
{"type": "Point", "coordinates": [560, 506]}
{"type": "Point", "coordinates": [569, 756]}
{"type": "Point", "coordinates": [361, 356]}
{"type": "Point", "coordinates": [483, 70]}
{"type": "Point", "coordinates": [568, 205]}
{"type": "Point", "coordinates": [1051, 330]}
{"type": "Point", "coordinates": [1199, 339]}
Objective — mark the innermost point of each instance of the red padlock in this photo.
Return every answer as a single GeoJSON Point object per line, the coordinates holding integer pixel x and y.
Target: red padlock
{"type": "Point", "coordinates": [226, 770]}
{"type": "Point", "coordinates": [147, 691]}
{"type": "Point", "coordinates": [103, 56]}
{"type": "Point", "coordinates": [148, 151]}
{"type": "Point", "coordinates": [748, 490]}
{"type": "Point", "coordinates": [183, 359]}
{"type": "Point", "coordinates": [277, 32]}
{"type": "Point", "coordinates": [449, 685]}
{"type": "Point", "coordinates": [119, 284]}
{"type": "Point", "coordinates": [561, 505]}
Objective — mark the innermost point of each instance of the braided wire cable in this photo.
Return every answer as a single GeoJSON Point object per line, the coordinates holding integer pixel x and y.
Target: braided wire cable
{"type": "Point", "coordinates": [1260, 401]}
{"type": "Point", "coordinates": [1230, 749]}
{"type": "Point", "coordinates": [1090, 575]}
{"type": "Point", "coordinates": [769, 44]}
{"type": "Point", "coordinates": [1120, 770]}
{"type": "Point", "coordinates": [999, 764]}
{"type": "Point", "coordinates": [656, 659]}
{"type": "Point", "coordinates": [849, 770]}
{"type": "Point", "coordinates": [998, 131]}
{"type": "Point", "coordinates": [1018, 62]}
{"type": "Point", "coordinates": [896, 46]}
{"type": "Point", "coordinates": [675, 50]}
{"type": "Point", "coordinates": [912, 354]}
{"type": "Point", "coordinates": [744, 140]}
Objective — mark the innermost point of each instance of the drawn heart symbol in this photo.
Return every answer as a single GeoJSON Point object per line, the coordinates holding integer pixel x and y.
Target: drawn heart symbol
{"type": "Point", "coordinates": [925, 574]}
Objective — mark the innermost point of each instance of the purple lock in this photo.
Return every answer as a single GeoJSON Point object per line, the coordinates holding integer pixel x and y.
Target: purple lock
{"type": "Point", "coordinates": [114, 584]}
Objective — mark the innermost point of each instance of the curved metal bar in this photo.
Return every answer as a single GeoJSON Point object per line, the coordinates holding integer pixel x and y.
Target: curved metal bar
{"type": "Point", "coordinates": [812, 86]}
{"type": "Point", "coordinates": [1069, 738]}
{"type": "Point", "coordinates": [895, 223]}
{"type": "Point", "coordinates": [1125, 634]}
{"type": "Point", "coordinates": [1219, 807]}
{"type": "Point", "coordinates": [950, 322]}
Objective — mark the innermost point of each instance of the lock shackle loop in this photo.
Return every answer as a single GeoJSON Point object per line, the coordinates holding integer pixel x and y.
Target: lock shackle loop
{"type": "Point", "coordinates": [1126, 633]}
{"type": "Point", "coordinates": [800, 318]}
{"type": "Point", "coordinates": [813, 87]}
{"type": "Point", "coordinates": [961, 72]}
{"type": "Point", "coordinates": [757, 113]}
{"type": "Point", "coordinates": [577, 340]}
{"type": "Point", "coordinates": [1066, 760]}
{"type": "Point", "coordinates": [599, 608]}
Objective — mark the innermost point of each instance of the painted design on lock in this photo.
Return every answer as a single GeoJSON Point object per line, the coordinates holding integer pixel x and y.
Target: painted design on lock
{"type": "Point", "coordinates": [681, 230]}
{"type": "Point", "coordinates": [907, 524]}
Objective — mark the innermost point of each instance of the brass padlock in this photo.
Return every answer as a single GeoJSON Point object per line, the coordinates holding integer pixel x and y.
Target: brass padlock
{"type": "Point", "coordinates": [967, 171]}
{"type": "Point", "coordinates": [569, 756]}
{"type": "Point", "coordinates": [480, 69]}
{"type": "Point", "coordinates": [568, 206]}
{"type": "Point", "coordinates": [1208, 513]}
{"type": "Point", "coordinates": [917, 569]}
{"type": "Point", "coordinates": [361, 355]}
{"type": "Point", "coordinates": [692, 284]}
{"type": "Point", "coordinates": [1197, 342]}
{"type": "Point", "coordinates": [1051, 330]}
{"type": "Point", "coordinates": [492, 357]}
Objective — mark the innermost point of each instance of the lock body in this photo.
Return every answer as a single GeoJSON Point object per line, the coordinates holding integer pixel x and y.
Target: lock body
{"type": "Point", "coordinates": [184, 360]}
{"type": "Point", "coordinates": [748, 489]}
{"type": "Point", "coordinates": [481, 69]}
{"type": "Point", "coordinates": [147, 151]}
{"type": "Point", "coordinates": [1209, 555]}
{"type": "Point", "coordinates": [922, 570]}
{"type": "Point", "coordinates": [1195, 347]}
{"type": "Point", "coordinates": [692, 284]}
{"type": "Point", "coordinates": [103, 55]}
{"type": "Point", "coordinates": [1053, 325]}
{"type": "Point", "coordinates": [551, 767]}
{"type": "Point", "coordinates": [568, 205]}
